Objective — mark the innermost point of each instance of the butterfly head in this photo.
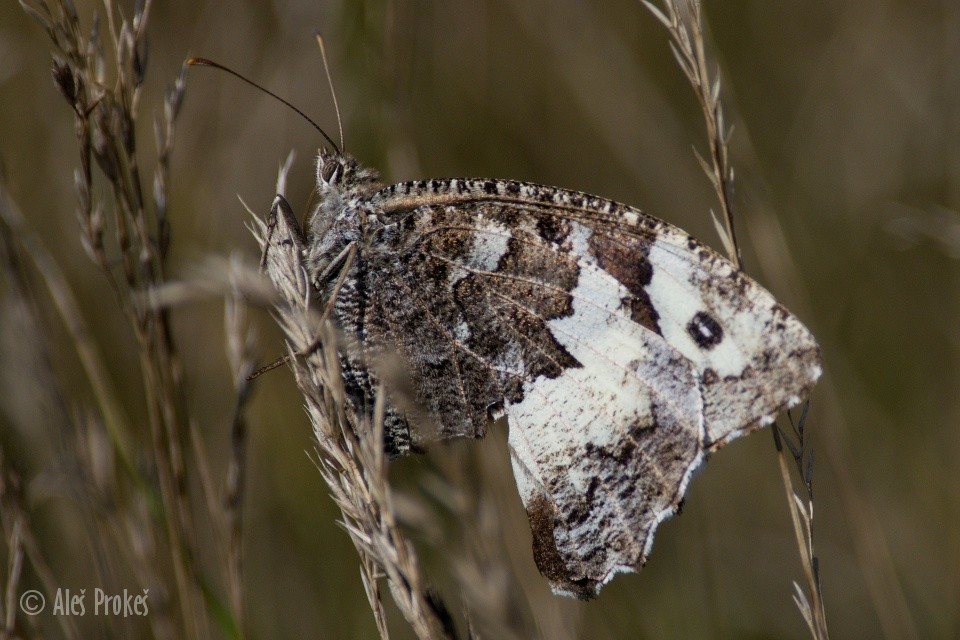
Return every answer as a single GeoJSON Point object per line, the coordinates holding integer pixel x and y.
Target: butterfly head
{"type": "Point", "coordinates": [343, 186]}
{"type": "Point", "coordinates": [341, 173]}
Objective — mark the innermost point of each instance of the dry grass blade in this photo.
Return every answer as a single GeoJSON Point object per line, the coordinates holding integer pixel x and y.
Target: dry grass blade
{"type": "Point", "coordinates": [350, 449]}
{"type": "Point", "coordinates": [105, 113]}
{"type": "Point", "coordinates": [683, 20]}
{"type": "Point", "coordinates": [371, 586]}
{"type": "Point", "coordinates": [467, 519]}
{"type": "Point", "coordinates": [240, 345]}
{"type": "Point", "coordinates": [68, 309]}
{"type": "Point", "coordinates": [146, 513]}
{"type": "Point", "coordinates": [14, 569]}
{"type": "Point", "coordinates": [21, 545]}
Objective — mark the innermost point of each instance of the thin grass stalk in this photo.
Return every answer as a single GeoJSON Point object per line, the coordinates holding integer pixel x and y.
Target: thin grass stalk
{"type": "Point", "coordinates": [350, 449]}
{"type": "Point", "coordinates": [106, 121]}
{"type": "Point", "coordinates": [68, 310]}
{"type": "Point", "coordinates": [683, 20]}
{"type": "Point", "coordinates": [16, 529]}
{"type": "Point", "coordinates": [14, 570]}
{"type": "Point", "coordinates": [243, 364]}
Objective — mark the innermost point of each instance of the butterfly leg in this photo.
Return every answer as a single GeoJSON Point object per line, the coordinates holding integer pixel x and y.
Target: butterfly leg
{"type": "Point", "coordinates": [283, 235]}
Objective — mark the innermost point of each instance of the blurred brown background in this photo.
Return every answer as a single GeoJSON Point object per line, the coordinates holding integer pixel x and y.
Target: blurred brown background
{"type": "Point", "coordinates": [847, 148]}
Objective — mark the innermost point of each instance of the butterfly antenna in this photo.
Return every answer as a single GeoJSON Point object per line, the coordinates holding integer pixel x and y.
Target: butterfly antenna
{"type": "Point", "coordinates": [204, 62]}
{"type": "Point", "coordinates": [326, 69]}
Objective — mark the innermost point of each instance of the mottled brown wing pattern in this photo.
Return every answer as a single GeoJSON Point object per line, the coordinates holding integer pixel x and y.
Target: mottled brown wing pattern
{"type": "Point", "coordinates": [621, 350]}
{"type": "Point", "coordinates": [470, 326]}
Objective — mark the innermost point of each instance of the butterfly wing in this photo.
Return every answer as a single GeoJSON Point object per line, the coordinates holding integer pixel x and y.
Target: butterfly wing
{"type": "Point", "coordinates": [620, 348]}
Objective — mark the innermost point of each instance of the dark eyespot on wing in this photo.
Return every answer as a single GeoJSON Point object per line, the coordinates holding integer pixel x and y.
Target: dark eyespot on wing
{"type": "Point", "coordinates": [705, 330]}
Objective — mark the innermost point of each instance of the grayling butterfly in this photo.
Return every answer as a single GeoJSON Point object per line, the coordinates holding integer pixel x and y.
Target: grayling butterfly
{"type": "Point", "coordinates": [621, 350]}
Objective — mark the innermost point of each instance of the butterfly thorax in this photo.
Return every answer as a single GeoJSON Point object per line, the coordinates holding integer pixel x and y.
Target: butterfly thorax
{"type": "Point", "coordinates": [343, 218]}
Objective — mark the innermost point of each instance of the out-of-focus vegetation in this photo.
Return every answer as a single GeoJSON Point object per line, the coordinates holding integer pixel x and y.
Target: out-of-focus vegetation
{"type": "Point", "coordinates": [846, 143]}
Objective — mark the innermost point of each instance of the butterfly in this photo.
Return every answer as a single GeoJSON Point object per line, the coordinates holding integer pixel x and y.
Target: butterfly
{"type": "Point", "coordinates": [621, 351]}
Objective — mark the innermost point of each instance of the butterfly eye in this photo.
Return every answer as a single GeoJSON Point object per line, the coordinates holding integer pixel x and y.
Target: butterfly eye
{"type": "Point", "coordinates": [331, 172]}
